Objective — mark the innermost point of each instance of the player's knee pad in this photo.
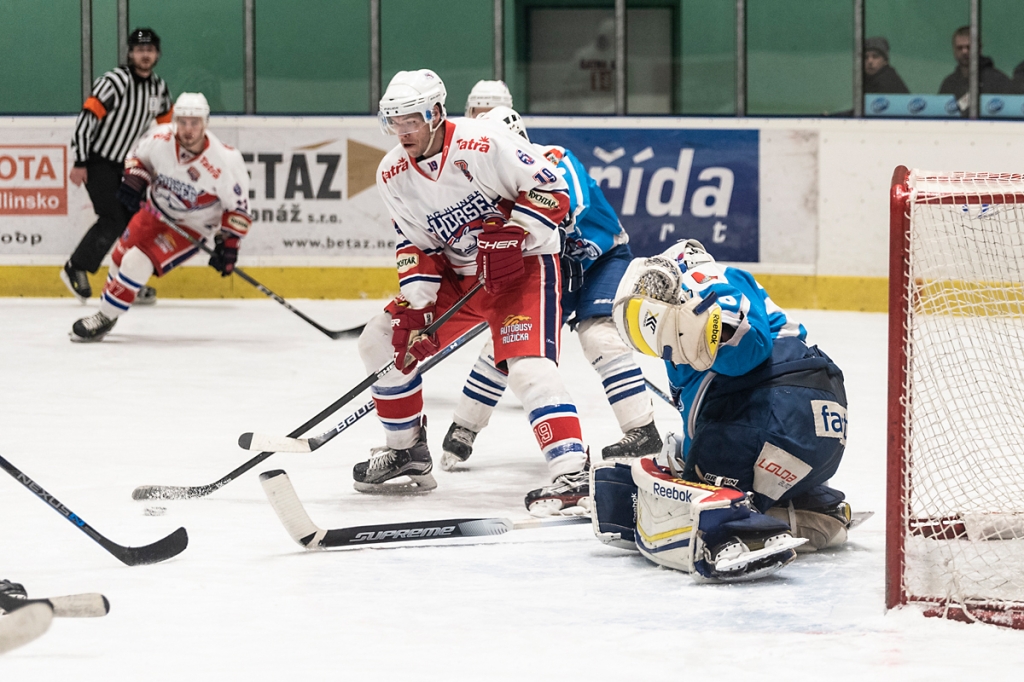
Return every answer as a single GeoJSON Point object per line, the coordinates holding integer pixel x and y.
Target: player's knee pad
{"type": "Point", "coordinates": [136, 266]}
{"type": "Point", "coordinates": [613, 510]}
{"type": "Point", "coordinates": [712, 533]}
{"type": "Point", "coordinates": [600, 341]}
{"type": "Point", "coordinates": [375, 348]}
{"type": "Point", "coordinates": [536, 382]}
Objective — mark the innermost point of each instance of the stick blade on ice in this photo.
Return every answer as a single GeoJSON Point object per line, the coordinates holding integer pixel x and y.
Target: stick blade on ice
{"type": "Point", "coordinates": [161, 550]}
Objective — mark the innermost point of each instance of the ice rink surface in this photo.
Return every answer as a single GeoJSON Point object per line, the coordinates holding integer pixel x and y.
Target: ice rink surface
{"type": "Point", "coordinates": [162, 401]}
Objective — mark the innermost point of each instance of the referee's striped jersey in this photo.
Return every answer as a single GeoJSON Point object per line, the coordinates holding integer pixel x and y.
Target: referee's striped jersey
{"type": "Point", "coordinates": [117, 113]}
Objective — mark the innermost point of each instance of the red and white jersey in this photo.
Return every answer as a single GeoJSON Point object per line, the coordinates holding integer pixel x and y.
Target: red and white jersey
{"type": "Point", "coordinates": [205, 192]}
{"type": "Point", "coordinates": [438, 204]}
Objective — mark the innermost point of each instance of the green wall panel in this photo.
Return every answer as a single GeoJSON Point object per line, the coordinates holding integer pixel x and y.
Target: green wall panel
{"type": "Point", "coordinates": [452, 37]}
{"type": "Point", "coordinates": [201, 47]}
{"type": "Point", "coordinates": [104, 36]}
{"type": "Point", "coordinates": [799, 57]}
{"type": "Point", "coordinates": [1002, 25]}
{"type": "Point", "coordinates": [40, 56]}
{"type": "Point", "coordinates": [708, 74]}
{"type": "Point", "coordinates": [313, 61]}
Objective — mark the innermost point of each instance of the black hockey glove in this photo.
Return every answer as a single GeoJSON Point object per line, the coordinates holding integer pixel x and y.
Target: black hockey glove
{"type": "Point", "coordinates": [225, 253]}
{"type": "Point", "coordinates": [133, 189]}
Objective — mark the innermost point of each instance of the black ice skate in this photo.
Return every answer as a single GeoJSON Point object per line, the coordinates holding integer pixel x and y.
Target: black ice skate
{"type": "Point", "coordinates": [92, 328]}
{"type": "Point", "coordinates": [643, 440]}
{"type": "Point", "coordinates": [146, 296]}
{"type": "Point", "coordinates": [458, 446]}
{"type": "Point", "coordinates": [396, 472]}
{"type": "Point", "coordinates": [568, 494]}
{"type": "Point", "coordinates": [76, 281]}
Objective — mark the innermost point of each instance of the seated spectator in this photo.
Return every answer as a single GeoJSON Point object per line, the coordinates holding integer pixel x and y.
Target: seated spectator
{"type": "Point", "coordinates": [879, 77]}
{"type": "Point", "coordinates": [990, 79]}
{"type": "Point", "coordinates": [1018, 79]}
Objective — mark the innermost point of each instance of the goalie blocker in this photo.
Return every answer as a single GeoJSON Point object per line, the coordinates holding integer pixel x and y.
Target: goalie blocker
{"type": "Point", "coordinates": [712, 533]}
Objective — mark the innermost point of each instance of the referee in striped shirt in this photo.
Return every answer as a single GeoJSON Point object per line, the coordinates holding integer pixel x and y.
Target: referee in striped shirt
{"type": "Point", "coordinates": [123, 104]}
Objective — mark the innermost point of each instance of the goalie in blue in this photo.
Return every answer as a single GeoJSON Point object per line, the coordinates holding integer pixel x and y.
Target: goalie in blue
{"type": "Point", "coordinates": [763, 419]}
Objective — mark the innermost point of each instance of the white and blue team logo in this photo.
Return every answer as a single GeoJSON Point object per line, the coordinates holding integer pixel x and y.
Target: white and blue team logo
{"type": "Point", "coordinates": [524, 157]}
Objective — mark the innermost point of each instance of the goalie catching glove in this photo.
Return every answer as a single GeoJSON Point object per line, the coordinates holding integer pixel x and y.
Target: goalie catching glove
{"type": "Point", "coordinates": [656, 316]}
{"type": "Point", "coordinates": [407, 324]}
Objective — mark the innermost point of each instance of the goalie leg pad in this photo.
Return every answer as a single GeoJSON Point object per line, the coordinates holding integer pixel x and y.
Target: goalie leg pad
{"type": "Point", "coordinates": [713, 533]}
{"type": "Point", "coordinates": [614, 504]}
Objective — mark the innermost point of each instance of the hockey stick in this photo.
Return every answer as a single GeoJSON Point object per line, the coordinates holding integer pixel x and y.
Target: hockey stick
{"type": "Point", "coordinates": [87, 605]}
{"type": "Point", "coordinates": [24, 626]}
{"type": "Point", "coordinates": [263, 441]}
{"type": "Point", "coordinates": [296, 521]}
{"type": "Point", "coordinates": [658, 392]}
{"type": "Point", "coordinates": [170, 492]}
{"type": "Point", "coordinates": [160, 550]}
{"type": "Point", "coordinates": [340, 334]}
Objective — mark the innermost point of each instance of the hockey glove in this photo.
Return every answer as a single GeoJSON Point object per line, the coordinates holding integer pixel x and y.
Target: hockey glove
{"type": "Point", "coordinates": [133, 188]}
{"type": "Point", "coordinates": [410, 344]}
{"type": "Point", "coordinates": [225, 253]}
{"type": "Point", "coordinates": [499, 256]}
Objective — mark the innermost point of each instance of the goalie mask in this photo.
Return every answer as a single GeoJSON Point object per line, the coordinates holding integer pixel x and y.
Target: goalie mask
{"type": "Point", "coordinates": [657, 317]}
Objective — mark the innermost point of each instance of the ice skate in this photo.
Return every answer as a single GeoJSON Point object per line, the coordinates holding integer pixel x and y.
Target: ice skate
{"type": "Point", "coordinates": [569, 494]}
{"type": "Point", "coordinates": [146, 296]}
{"type": "Point", "coordinates": [92, 328]}
{"type": "Point", "coordinates": [12, 589]}
{"type": "Point", "coordinates": [396, 472]}
{"type": "Point", "coordinates": [76, 281]}
{"type": "Point", "coordinates": [643, 440]}
{"type": "Point", "coordinates": [458, 446]}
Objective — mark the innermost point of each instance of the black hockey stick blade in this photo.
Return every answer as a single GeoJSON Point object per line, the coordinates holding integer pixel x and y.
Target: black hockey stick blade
{"type": "Point", "coordinates": [301, 528]}
{"type": "Point", "coordinates": [163, 549]}
{"type": "Point", "coordinates": [87, 605]}
{"type": "Point", "coordinates": [24, 625]}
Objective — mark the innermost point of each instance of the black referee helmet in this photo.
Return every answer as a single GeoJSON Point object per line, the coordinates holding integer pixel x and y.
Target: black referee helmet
{"type": "Point", "coordinates": [144, 36]}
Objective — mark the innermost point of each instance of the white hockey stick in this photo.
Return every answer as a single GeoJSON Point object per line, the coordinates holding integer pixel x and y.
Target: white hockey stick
{"type": "Point", "coordinates": [296, 521]}
{"type": "Point", "coordinates": [87, 605]}
{"type": "Point", "coordinates": [24, 625]}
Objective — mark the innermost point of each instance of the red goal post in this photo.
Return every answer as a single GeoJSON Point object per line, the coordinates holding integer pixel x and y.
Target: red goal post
{"type": "Point", "coordinates": [955, 466]}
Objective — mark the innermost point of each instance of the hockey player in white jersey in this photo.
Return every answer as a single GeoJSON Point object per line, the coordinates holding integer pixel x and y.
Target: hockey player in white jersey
{"type": "Point", "coordinates": [468, 204]}
{"type": "Point", "coordinates": [179, 174]}
{"type": "Point", "coordinates": [595, 255]}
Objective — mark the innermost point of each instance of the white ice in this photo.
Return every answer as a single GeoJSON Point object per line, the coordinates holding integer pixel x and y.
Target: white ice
{"type": "Point", "coordinates": [162, 401]}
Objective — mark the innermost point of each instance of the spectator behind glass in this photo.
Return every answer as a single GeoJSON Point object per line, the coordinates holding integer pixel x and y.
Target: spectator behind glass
{"type": "Point", "coordinates": [1018, 79]}
{"type": "Point", "coordinates": [879, 77]}
{"type": "Point", "coordinates": [991, 79]}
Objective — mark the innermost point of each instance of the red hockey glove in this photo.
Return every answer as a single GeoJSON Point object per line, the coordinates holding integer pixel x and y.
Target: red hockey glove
{"type": "Point", "coordinates": [225, 254]}
{"type": "Point", "coordinates": [410, 344]}
{"type": "Point", "coordinates": [499, 256]}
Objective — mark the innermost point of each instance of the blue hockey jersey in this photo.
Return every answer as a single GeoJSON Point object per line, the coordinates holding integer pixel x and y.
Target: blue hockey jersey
{"type": "Point", "coordinates": [595, 229]}
{"type": "Point", "coordinates": [746, 307]}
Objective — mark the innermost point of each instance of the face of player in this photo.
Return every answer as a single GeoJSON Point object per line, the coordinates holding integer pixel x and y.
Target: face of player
{"type": "Point", "coordinates": [191, 132]}
{"type": "Point", "coordinates": [873, 62]}
{"type": "Point", "coordinates": [143, 58]}
{"type": "Point", "coordinates": [414, 135]}
{"type": "Point", "coordinates": [962, 50]}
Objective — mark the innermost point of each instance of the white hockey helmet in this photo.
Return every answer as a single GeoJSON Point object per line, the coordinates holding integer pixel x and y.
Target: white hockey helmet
{"type": "Point", "coordinates": [487, 95]}
{"type": "Point", "coordinates": [508, 117]}
{"type": "Point", "coordinates": [412, 92]}
{"type": "Point", "coordinates": [192, 104]}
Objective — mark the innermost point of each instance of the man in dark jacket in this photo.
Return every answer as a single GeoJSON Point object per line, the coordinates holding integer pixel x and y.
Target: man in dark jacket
{"type": "Point", "coordinates": [879, 77]}
{"type": "Point", "coordinates": [991, 80]}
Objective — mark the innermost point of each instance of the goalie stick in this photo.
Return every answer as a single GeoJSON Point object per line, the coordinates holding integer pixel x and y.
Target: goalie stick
{"type": "Point", "coordinates": [24, 625]}
{"type": "Point", "coordinates": [339, 334]}
{"type": "Point", "coordinates": [170, 492]}
{"type": "Point", "coordinates": [87, 605]}
{"type": "Point", "coordinates": [296, 521]}
{"type": "Point", "coordinates": [160, 550]}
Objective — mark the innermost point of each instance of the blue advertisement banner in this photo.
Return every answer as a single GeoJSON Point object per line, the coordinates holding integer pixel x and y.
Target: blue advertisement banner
{"type": "Point", "coordinates": [668, 185]}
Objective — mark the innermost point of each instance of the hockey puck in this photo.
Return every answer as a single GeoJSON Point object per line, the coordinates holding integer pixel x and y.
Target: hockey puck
{"type": "Point", "coordinates": [155, 511]}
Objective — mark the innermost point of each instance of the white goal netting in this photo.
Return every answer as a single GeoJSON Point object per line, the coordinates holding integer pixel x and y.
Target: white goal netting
{"type": "Point", "coordinates": [962, 403]}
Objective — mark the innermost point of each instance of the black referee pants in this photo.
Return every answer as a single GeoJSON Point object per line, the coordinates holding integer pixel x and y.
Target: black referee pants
{"type": "Point", "coordinates": [104, 177]}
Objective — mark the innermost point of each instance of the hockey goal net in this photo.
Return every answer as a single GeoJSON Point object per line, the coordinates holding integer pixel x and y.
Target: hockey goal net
{"type": "Point", "coordinates": [955, 495]}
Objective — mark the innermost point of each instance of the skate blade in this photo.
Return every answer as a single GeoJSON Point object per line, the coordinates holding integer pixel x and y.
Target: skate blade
{"type": "Point", "coordinates": [413, 485]}
{"type": "Point", "coordinates": [450, 462]}
{"type": "Point", "coordinates": [78, 339]}
{"type": "Point", "coordinates": [67, 282]}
